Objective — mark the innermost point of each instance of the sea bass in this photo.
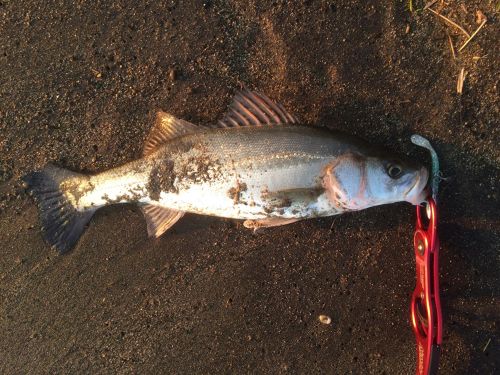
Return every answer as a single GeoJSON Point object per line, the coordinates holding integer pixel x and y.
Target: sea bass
{"type": "Point", "coordinates": [258, 164]}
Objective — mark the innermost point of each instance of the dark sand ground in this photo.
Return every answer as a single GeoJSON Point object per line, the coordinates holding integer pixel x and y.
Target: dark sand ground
{"type": "Point", "coordinates": [79, 85]}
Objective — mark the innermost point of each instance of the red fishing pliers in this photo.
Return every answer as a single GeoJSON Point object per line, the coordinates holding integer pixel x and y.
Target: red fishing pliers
{"type": "Point", "coordinates": [426, 314]}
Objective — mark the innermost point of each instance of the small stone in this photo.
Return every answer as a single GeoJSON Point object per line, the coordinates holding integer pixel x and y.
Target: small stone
{"type": "Point", "coordinates": [173, 74]}
{"type": "Point", "coordinates": [325, 319]}
{"type": "Point", "coordinates": [97, 73]}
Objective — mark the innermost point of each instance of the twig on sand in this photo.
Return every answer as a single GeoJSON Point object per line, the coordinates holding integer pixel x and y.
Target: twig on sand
{"type": "Point", "coordinates": [479, 16]}
{"type": "Point", "coordinates": [460, 81]}
{"type": "Point", "coordinates": [451, 46]}
{"type": "Point", "coordinates": [486, 346]}
{"type": "Point", "coordinates": [430, 3]}
{"type": "Point", "coordinates": [473, 35]}
{"type": "Point", "coordinates": [450, 22]}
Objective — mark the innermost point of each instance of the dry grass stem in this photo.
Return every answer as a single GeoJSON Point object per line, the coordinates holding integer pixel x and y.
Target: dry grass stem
{"type": "Point", "coordinates": [480, 17]}
{"type": "Point", "coordinates": [473, 35]}
{"type": "Point", "coordinates": [451, 46]}
{"type": "Point", "coordinates": [450, 22]}
{"type": "Point", "coordinates": [430, 3]}
{"type": "Point", "coordinates": [486, 346]}
{"type": "Point", "coordinates": [460, 81]}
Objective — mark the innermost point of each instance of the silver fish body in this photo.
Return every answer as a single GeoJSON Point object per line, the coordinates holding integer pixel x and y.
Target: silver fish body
{"type": "Point", "coordinates": [266, 174]}
{"type": "Point", "coordinates": [240, 173]}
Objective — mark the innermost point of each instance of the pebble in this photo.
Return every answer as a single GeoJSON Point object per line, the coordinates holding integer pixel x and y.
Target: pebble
{"type": "Point", "coordinates": [325, 319]}
{"type": "Point", "coordinates": [173, 74]}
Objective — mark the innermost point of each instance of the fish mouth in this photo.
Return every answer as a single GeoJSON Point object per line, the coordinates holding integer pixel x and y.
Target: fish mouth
{"type": "Point", "coordinates": [417, 193]}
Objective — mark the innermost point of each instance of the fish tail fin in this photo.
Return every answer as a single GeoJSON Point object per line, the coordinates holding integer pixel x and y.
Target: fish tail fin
{"type": "Point", "coordinates": [62, 223]}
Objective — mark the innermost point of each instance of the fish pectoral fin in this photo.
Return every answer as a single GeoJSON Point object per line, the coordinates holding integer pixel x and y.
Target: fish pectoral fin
{"type": "Point", "coordinates": [267, 223]}
{"type": "Point", "coordinates": [250, 108]}
{"type": "Point", "coordinates": [159, 219]}
{"type": "Point", "coordinates": [165, 128]}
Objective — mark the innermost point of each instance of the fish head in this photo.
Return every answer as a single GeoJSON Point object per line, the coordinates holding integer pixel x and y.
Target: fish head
{"type": "Point", "coordinates": [355, 181]}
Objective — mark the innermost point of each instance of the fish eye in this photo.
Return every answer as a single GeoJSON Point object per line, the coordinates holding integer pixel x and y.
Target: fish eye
{"type": "Point", "coordinates": [394, 170]}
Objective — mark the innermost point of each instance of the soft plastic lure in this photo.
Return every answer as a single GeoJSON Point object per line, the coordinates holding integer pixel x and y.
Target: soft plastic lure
{"type": "Point", "coordinates": [435, 173]}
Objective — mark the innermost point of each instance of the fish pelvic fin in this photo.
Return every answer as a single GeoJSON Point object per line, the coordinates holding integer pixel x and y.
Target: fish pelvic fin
{"type": "Point", "coordinates": [269, 222]}
{"type": "Point", "coordinates": [251, 108]}
{"type": "Point", "coordinates": [165, 128]}
{"type": "Point", "coordinates": [159, 219]}
{"type": "Point", "coordinates": [62, 224]}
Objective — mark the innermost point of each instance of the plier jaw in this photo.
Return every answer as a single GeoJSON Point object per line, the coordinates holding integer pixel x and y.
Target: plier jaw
{"type": "Point", "coordinates": [426, 314]}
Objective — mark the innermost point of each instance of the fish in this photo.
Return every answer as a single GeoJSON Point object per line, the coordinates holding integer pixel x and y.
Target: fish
{"type": "Point", "coordinates": [259, 164]}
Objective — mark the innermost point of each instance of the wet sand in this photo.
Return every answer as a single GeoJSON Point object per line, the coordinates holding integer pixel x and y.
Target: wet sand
{"type": "Point", "coordinates": [79, 85]}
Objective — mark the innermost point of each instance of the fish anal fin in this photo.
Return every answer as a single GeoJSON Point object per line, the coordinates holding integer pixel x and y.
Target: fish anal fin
{"type": "Point", "coordinates": [250, 108]}
{"type": "Point", "coordinates": [159, 219]}
{"type": "Point", "coordinates": [268, 222]}
{"type": "Point", "coordinates": [165, 128]}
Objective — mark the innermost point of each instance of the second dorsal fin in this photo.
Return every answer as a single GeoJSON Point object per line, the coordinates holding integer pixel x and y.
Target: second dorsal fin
{"type": "Point", "coordinates": [250, 108]}
{"type": "Point", "coordinates": [165, 128]}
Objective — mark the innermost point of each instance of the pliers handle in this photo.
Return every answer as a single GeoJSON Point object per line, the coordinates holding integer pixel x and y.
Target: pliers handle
{"type": "Point", "coordinates": [426, 314]}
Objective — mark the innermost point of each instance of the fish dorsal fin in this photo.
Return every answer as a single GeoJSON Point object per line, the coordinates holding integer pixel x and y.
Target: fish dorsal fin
{"type": "Point", "coordinates": [250, 108]}
{"type": "Point", "coordinates": [159, 219]}
{"type": "Point", "coordinates": [166, 127]}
